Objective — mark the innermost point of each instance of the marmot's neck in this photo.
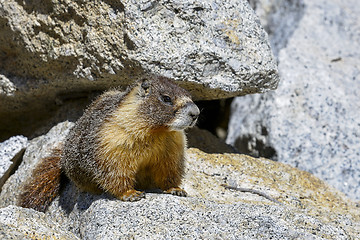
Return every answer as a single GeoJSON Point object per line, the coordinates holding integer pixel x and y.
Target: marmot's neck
{"type": "Point", "coordinates": [126, 118]}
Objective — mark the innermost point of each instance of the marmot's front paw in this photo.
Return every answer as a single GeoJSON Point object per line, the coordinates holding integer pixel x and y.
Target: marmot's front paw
{"type": "Point", "coordinates": [176, 191]}
{"type": "Point", "coordinates": [132, 196]}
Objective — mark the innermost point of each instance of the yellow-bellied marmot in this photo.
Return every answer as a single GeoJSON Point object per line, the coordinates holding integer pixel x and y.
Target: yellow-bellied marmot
{"type": "Point", "coordinates": [124, 142]}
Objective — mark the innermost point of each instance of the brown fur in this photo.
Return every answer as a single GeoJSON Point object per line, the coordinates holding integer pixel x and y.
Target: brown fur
{"type": "Point", "coordinates": [127, 141]}
{"type": "Point", "coordinates": [44, 184]}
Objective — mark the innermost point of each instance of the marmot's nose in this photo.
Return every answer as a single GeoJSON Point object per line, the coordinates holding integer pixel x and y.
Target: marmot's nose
{"type": "Point", "coordinates": [193, 111]}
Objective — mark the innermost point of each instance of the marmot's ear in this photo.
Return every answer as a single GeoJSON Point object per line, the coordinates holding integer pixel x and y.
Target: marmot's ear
{"type": "Point", "coordinates": [145, 88]}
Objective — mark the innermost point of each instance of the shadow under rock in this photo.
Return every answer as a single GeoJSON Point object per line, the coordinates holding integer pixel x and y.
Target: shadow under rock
{"type": "Point", "coordinates": [207, 142]}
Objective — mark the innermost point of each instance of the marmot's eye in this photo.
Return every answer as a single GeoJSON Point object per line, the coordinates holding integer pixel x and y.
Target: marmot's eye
{"type": "Point", "coordinates": [166, 99]}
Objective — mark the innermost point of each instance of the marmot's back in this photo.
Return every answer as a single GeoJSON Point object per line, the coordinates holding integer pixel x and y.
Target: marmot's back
{"type": "Point", "coordinates": [78, 157]}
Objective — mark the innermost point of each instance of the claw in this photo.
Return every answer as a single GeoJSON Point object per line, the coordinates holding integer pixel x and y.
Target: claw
{"type": "Point", "coordinates": [176, 191]}
{"type": "Point", "coordinates": [132, 196]}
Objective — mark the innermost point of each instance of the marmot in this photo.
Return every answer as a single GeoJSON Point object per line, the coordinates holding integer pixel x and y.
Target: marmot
{"type": "Point", "coordinates": [124, 143]}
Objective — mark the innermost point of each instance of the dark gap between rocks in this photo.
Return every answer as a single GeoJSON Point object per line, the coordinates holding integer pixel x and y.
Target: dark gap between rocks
{"type": "Point", "coordinates": [214, 116]}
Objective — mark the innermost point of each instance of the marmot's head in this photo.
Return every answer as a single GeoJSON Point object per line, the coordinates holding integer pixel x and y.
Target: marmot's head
{"type": "Point", "coordinates": [165, 104]}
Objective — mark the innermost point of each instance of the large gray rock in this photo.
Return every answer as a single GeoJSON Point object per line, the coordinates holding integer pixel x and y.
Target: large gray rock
{"type": "Point", "coordinates": [217, 44]}
{"type": "Point", "coordinates": [312, 120]}
{"type": "Point", "coordinates": [55, 51]}
{"type": "Point", "coordinates": [308, 208]}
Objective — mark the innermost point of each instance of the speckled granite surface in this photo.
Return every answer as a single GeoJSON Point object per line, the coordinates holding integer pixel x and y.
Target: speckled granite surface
{"type": "Point", "coordinates": [8, 150]}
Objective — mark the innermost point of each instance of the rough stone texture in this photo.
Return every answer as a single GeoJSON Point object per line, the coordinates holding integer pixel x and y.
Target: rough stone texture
{"type": "Point", "coordinates": [309, 208]}
{"type": "Point", "coordinates": [20, 223]}
{"type": "Point", "coordinates": [7, 88]}
{"type": "Point", "coordinates": [55, 51]}
{"type": "Point", "coordinates": [10, 152]}
{"type": "Point", "coordinates": [222, 44]}
{"type": "Point", "coordinates": [312, 120]}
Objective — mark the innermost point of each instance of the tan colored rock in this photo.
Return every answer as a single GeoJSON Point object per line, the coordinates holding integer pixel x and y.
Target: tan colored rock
{"type": "Point", "coordinates": [297, 190]}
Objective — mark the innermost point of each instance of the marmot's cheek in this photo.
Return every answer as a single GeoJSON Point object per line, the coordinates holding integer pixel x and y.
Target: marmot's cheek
{"type": "Point", "coordinates": [179, 124]}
